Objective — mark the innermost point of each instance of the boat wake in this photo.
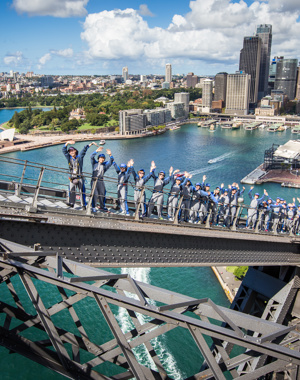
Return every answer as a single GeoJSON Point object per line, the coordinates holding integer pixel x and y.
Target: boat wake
{"type": "Point", "coordinates": [205, 170]}
{"type": "Point", "coordinates": [159, 343]}
{"type": "Point", "coordinates": [221, 158]}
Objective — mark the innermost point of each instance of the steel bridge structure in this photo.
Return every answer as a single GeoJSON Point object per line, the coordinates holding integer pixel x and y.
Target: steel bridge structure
{"type": "Point", "coordinates": [45, 241]}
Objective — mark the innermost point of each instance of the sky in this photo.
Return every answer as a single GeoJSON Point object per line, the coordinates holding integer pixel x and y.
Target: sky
{"type": "Point", "coordinates": [97, 37]}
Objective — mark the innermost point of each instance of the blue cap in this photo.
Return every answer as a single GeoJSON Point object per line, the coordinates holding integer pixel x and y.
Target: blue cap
{"type": "Point", "coordinates": [281, 199]}
{"type": "Point", "coordinates": [163, 172]}
{"type": "Point", "coordinates": [257, 194]}
{"type": "Point", "coordinates": [123, 166]}
{"type": "Point", "coordinates": [226, 191]}
{"type": "Point", "coordinates": [142, 170]}
{"type": "Point", "coordinates": [72, 148]}
{"type": "Point", "coordinates": [207, 185]}
{"type": "Point", "coordinates": [198, 184]}
{"type": "Point", "coordinates": [101, 155]}
{"type": "Point", "coordinates": [233, 188]}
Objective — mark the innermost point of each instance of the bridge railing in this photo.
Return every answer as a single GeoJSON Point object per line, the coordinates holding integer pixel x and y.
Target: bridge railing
{"type": "Point", "coordinates": [25, 178]}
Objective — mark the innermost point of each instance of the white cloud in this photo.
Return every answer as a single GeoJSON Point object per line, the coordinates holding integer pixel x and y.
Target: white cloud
{"type": "Point", "coordinates": [67, 53]}
{"type": "Point", "coordinates": [14, 59]}
{"type": "Point", "coordinates": [45, 58]}
{"type": "Point", "coordinates": [55, 8]}
{"type": "Point", "coordinates": [145, 11]}
{"type": "Point", "coordinates": [211, 32]}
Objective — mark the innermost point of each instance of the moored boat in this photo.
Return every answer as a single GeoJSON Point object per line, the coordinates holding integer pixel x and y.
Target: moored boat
{"type": "Point", "coordinates": [102, 142]}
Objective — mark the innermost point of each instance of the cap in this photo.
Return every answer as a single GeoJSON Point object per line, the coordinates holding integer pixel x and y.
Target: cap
{"type": "Point", "coordinates": [162, 172]}
{"type": "Point", "coordinates": [72, 148]}
{"type": "Point", "coordinates": [142, 170]}
{"type": "Point", "coordinates": [178, 178]}
{"type": "Point", "coordinates": [101, 155]}
{"type": "Point", "coordinates": [123, 166]}
{"type": "Point", "coordinates": [257, 194]}
{"type": "Point", "coordinates": [198, 184]}
{"type": "Point", "coordinates": [207, 185]}
{"type": "Point", "coordinates": [233, 188]}
{"type": "Point", "coordinates": [226, 191]}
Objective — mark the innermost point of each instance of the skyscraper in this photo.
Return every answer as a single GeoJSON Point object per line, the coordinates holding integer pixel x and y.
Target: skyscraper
{"type": "Point", "coordinates": [286, 75]}
{"type": "Point", "coordinates": [168, 72]}
{"type": "Point", "coordinates": [207, 94]}
{"type": "Point", "coordinates": [183, 97]}
{"type": "Point", "coordinates": [250, 63]}
{"type": "Point", "coordinates": [238, 92]}
{"type": "Point", "coordinates": [298, 84]}
{"type": "Point", "coordinates": [191, 80]}
{"type": "Point", "coordinates": [264, 31]}
{"type": "Point", "coordinates": [220, 87]}
{"type": "Point", "coordinates": [125, 73]}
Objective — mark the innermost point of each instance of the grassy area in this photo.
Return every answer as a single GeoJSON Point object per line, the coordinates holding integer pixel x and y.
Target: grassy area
{"type": "Point", "coordinates": [231, 269]}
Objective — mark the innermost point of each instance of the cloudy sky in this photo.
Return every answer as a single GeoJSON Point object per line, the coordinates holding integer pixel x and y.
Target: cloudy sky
{"type": "Point", "coordinates": [100, 37]}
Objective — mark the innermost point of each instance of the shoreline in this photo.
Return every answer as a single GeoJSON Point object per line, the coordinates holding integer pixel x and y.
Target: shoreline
{"type": "Point", "coordinates": [227, 282]}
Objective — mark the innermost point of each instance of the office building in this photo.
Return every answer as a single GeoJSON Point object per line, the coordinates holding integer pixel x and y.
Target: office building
{"type": "Point", "coordinates": [264, 31]}
{"type": "Point", "coordinates": [191, 80]}
{"type": "Point", "coordinates": [250, 63]}
{"type": "Point", "coordinates": [132, 122]}
{"type": "Point", "coordinates": [207, 95]}
{"type": "Point", "coordinates": [238, 92]}
{"type": "Point", "coordinates": [158, 116]}
{"type": "Point", "coordinates": [220, 87]}
{"type": "Point", "coordinates": [125, 74]}
{"type": "Point", "coordinates": [168, 77]}
{"type": "Point", "coordinates": [177, 110]}
{"type": "Point", "coordinates": [286, 75]}
{"type": "Point", "coordinates": [298, 84]}
{"type": "Point", "coordinates": [46, 81]}
{"type": "Point", "coordinates": [183, 97]}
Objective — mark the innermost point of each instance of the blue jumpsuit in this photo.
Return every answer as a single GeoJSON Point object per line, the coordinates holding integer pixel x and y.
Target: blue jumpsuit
{"type": "Point", "coordinates": [123, 178]}
{"type": "Point", "coordinates": [157, 197]}
{"type": "Point", "coordinates": [99, 169]}
{"type": "Point", "coordinates": [139, 184]}
{"type": "Point", "coordinates": [76, 178]}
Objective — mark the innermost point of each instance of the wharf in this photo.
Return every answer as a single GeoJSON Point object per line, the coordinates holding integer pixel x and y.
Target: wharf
{"type": "Point", "coordinates": [227, 281]}
{"type": "Point", "coordinates": [284, 177]}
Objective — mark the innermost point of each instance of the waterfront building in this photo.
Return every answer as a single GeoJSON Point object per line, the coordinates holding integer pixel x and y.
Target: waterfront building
{"type": "Point", "coordinates": [298, 84]}
{"type": "Point", "coordinates": [272, 71]}
{"type": "Point", "coordinates": [177, 109]}
{"type": "Point", "coordinates": [264, 31]}
{"type": "Point", "coordinates": [168, 77]}
{"type": "Point", "coordinates": [191, 80]}
{"type": "Point", "coordinates": [125, 74]}
{"type": "Point", "coordinates": [132, 122]}
{"type": "Point", "coordinates": [250, 63]}
{"type": "Point", "coordinates": [238, 92]}
{"type": "Point", "coordinates": [158, 116]}
{"type": "Point", "coordinates": [183, 97]}
{"type": "Point", "coordinates": [220, 87]}
{"type": "Point", "coordinates": [286, 75]}
{"type": "Point", "coordinates": [207, 95]}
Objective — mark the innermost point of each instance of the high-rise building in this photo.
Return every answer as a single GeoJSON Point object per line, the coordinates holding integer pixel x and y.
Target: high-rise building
{"type": "Point", "coordinates": [132, 122]}
{"type": "Point", "coordinates": [125, 73]}
{"type": "Point", "coordinates": [207, 95]}
{"type": "Point", "coordinates": [220, 87]}
{"type": "Point", "coordinates": [183, 97]}
{"type": "Point", "coordinates": [237, 94]}
{"type": "Point", "coordinates": [168, 73]}
{"type": "Point", "coordinates": [250, 63]}
{"type": "Point", "coordinates": [264, 31]}
{"type": "Point", "coordinates": [298, 84]}
{"type": "Point", "coordinates": [191, 80]}
{"type": "Point", "coordinates": [286, 75]}
{"type": "Point", "coordinates": [272, 71]}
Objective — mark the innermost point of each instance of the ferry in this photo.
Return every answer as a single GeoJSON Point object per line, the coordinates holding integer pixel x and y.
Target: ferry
{"type": "Point", "coordinates": [296, 129]}
{"type": "Point", "coordinates": [275, 127]}
{"type": "Point", "coordinates": [102, 142]}
{"type": "Point", "coordinates": [252, 126]}
{"type": "Point", "coordinates": [236, 125]}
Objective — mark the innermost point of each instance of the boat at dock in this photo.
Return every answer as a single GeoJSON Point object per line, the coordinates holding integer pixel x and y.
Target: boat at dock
{"type": "Point", "coordinates": [252, 126]}
{"type": "Point", "coordinates": [275, 127]}
{"type": "Point", "coordinates": [102, 142]}
{"type": "Point", "coordinates": [296, 129]}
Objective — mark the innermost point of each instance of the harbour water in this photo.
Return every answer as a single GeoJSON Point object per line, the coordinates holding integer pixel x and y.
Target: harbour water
{"type": "Point", "coordinates": [235, 154]}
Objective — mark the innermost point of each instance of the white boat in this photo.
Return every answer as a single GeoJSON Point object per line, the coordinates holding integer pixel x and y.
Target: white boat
{"type": "Point", "coordinates": [102, 142]}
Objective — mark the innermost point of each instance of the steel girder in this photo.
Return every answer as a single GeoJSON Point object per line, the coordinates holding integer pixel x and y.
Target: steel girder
{"type": "Point", "coordinates": [165, 310]}
{"type": "Point", "coordinates": [115, 243]}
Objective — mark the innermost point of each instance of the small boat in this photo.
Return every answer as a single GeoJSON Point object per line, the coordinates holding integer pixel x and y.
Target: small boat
{"type": "Point", "coordinates": [296, 129]}
{"type": "Point", "coordinates": [211, 161]}
{"type": "Point", "coordinates": [212, 128]}
{"type": "Point", "coordinates": [102, 142]}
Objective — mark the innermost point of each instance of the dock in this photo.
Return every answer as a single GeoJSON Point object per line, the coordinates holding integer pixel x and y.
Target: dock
{"type": "Point", "coordinates": [253, 177]}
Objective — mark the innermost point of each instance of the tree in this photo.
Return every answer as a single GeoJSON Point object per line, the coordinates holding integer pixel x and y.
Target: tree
{"type": "Point", "coordinates": [16, 120]}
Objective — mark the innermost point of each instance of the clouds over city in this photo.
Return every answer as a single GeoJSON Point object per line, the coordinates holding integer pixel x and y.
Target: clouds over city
{"type": "Point", "coordinates": [211, 32]}
{"type": "Point", "coordinates": [14, 59]}
{"type": "Point", "coordinates": [66, 53]}
{"type": "Point", "coordinates": [56, 8]}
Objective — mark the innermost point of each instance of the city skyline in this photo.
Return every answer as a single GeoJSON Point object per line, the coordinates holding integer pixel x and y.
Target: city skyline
{"type": "Point", "coordinates": [88, 37]}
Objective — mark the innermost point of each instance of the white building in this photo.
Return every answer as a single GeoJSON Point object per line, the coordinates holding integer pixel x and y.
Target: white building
{"type": "Point", "coordinates": [168, 73]}
{"type": "Point", "coordinates": [183, 97]}
{"type": "Point", "coordinates": [207, 95]}
{"type": "Point", "coordinates": [132, 122]}
{"type": "Point", "coordinates": [238, 93]}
